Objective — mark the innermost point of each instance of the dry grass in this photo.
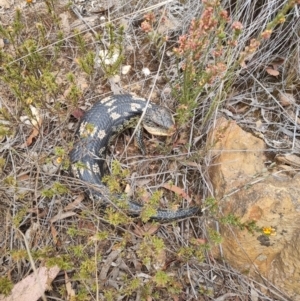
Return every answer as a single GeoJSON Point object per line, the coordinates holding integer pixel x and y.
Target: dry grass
{"type": "Point", "coordinates": [37, 193]}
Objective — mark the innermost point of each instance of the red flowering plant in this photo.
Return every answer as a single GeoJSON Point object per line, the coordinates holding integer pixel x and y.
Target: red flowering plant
{"type": "Point", "coordinates": [201, 55]}
{"type": "Point", "coordinates": [211, 51]}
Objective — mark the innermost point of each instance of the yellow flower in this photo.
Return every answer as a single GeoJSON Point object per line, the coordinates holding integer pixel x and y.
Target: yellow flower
{"type": "Point", "coordinates": [269, 231]}
{"type": "Point", "coordinates": [58, 160]}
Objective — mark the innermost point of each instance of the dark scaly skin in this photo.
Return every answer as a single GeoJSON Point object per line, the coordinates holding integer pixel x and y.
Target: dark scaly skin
{"type": "Point", "coordinates": [97, 127]}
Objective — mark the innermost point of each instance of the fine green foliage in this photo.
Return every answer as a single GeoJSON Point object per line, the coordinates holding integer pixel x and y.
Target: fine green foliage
{"type": "Point", "coordinates": [211, 204]}
{"type": "Point", "coordinates": [115, 183]}
{"type": "Point", "coordinates": [19, 216]}
{"type": "Point", "coordinates": [56, 189]}
{"type": "Point", "coordinates": [87, 269]}
{"type": "Point", "coordinates": [64, 262]}
{"type": "Point", "coordinates": [27, 84]}
{"type": "Point", "coordinates": [196, 250]}
{"type": "Point", "coordinates": [150, 208]}
{"type": "Point", "coordinates": [5, 286]}
{"type": "Point", "coordinates": [235, 221]}
{"type": "Point", "coordinates": [116, 179]}
{"type": "Point", "coordinates": [115, 217]}
{"type": "Point", "coordinates": [161, 279]}
{"type": "Point", "coordinates": [111, 58]}
{"type": "Point", "coordinates": [215, 237]}
{"type": "Point", "coordinates": [149, 248]}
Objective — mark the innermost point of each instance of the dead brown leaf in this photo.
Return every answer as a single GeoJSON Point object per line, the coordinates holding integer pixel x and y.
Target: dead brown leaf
{"type": "Point", "coordinates": [142, 182]}
{"type": "Point", "coordinates": [75, 203]}
{"type": "Point", "coordinates": [286, 99]}
{"type": "Point", "coordinates": [147, 228]}
{"type": "Point", "coordinates": [60, 216]}
{"type": "Point", "coordinates": [77, 113]}
{"type": "Point", "coordinates": [87, 225]}
{"type": "Point", "coordinates": [39, 212]}
{"type": "Point", "coordinates": [82, 82]}
{"type": "Point", "coordinates": [272, 71]}
{"type": "Point", "coordinates": [86, 23]}
{"type": "Point", "coordinates": [54, 233]}
{"type": "Point", "coordinates": [291, 112]}
{"type": "Point", "coordinates": [23, 177]}
{"type": "Point", "coordinates": [36, 123]}
{"type": "Point", "coordinates": [189, 163]}
{"type": "Point", "coordinates": [177, 190]}
{"type": "Point", "coordinates": [277, 62]}
{"type": "Point", "coordinates": [70, 291]}
{"type": "Point", "coordinates": [35, 132]}
{"type": "Point", "coordinates": [200, 241]}
{"type": "Point", "coordinates": [33, 286]}
{"type": "Point", "coordinates": [128, 190]}
{"type": "Point", "coordinates": [108, 262]}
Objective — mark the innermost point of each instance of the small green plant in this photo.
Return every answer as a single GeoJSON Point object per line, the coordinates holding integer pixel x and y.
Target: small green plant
{"type": "Point", "coordinates": [43, 253]}
{"type": "Point", "coordinates": [235, 221]}
{"type": "Point", "coordinates": [74, 231]}
{"type": "Point", "coordinates": [87, 63]}
{"type": "Point", "coordinates": [18, 255]}
{"type": "Point", "coordinates": [110, 294]}
{"type": "Point", "coordinates": [115, 183]}
{"type": "Point", "coordinates": [116, 179]}
{"type": "Point", "coordinates": [19, 216]}
{"type": "Point", "coordinates": [150, 26]}
{"type": "Point", "coordinates": [101, 236]}
{"type": "Point", "coordinates": [149, 249]}
{"type": "Point", "coordinates": [56, 189]}
{"type": "Point", "coordinates": [212, 205]}
{"type": "Point", "coordinates": [10, 181]}
{"type": "Point", "coordinates": [28, 70]}
{"type": "Point", "coordinates": [196, 251]}
{"type": "Point", "coordinates": [87, 269]}
{"type": "Point", "coordinates": [111, 57]}
{"type": "Point", "coordinates": [62, 157]}
{"type": "Point", "coordinates": [131, 286]}
{"type": "Point", "coordinates": [205, 39]}
{"type": "Point", "coordinates": [215, 237]}
{"type": "Point", "coordinates": [2, 163]}
{"type": "Point", "coordinates": [115, 217]}
{"type": "Point", "coordinates": [4, 131]}
{"type": "Point", "coordinates": [80, 42]}
{"type": "Point", "coordinates": [78, 251]}
{"type": "Point", "coordinates": [206, 291]}
{"type": "Point", "coordinates": [161, 279]}
{"type": "Point", "coordinates": [64, 262]}
{"type": "Point", "coordinates": [150, 208]}
{"type": "Point", "coordinates": [83, 295]}
{"type": "Point", "coordinates": [5, 286]}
